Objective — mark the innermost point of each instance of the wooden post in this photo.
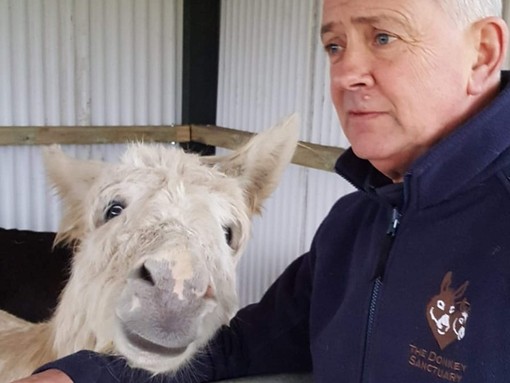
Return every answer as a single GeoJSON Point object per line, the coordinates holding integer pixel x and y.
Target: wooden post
{"type": "Point", "coordinates": [201, 40]}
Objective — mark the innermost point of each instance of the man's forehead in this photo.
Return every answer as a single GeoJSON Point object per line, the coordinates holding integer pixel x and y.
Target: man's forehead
{"type": "Point", "coordinates": [357, 12]}
{"type": "Point", "coordinates": [369, 7]}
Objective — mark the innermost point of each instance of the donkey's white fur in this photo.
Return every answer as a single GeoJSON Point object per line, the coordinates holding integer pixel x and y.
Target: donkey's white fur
{"type": "Point", "coordinates": [157, 239]}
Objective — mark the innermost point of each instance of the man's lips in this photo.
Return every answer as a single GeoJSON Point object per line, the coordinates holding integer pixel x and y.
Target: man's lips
{"type": "Point", "coordinates": [364, 114]}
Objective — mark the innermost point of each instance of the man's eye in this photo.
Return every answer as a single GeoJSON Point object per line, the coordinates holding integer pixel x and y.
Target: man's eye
{"type": "Point", "coordinates": [332, 49]}
{"type": "Point", "coordinates": [383, 39]}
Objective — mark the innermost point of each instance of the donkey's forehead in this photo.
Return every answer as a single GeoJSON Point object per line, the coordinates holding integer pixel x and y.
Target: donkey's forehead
{"type": "Point", "coordinates": [140, 155]}
{"type": "Point", "coordinates": [169, 161]}
{"type": "Point", "coordinates": [153, 155]}
{"type": "Point", "coordinates": [155, 167]}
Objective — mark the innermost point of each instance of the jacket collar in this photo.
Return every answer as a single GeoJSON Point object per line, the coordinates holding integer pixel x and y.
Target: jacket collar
{"type": "Point", "coordinates": [469, 154]}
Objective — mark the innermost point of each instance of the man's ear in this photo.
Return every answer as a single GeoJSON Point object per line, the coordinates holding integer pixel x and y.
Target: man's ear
{"type": "Point", "coordinates": [491, 38]}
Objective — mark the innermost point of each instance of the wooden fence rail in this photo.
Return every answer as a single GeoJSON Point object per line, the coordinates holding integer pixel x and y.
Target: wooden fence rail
{"type": "Point", "coordinates": [307, 154]}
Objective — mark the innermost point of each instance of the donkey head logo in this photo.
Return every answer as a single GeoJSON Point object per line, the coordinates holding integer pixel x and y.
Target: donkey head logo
{"type": "Point", "coordinates": [448, 312]}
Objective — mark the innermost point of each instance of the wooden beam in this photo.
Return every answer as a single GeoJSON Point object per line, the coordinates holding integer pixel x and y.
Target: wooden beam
{"type": "Point", "coordinates": [317, 156]}
{"type": "Point", "coordinates": [219, 136]}
{"type": "Point", "coordinates": [45, 135]}
{"type": "Point", "coordinates": [307, 154]}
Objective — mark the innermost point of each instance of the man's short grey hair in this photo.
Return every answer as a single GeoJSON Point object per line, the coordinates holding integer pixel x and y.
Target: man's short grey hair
{"type": "Point", "coordinates": [466, 12]}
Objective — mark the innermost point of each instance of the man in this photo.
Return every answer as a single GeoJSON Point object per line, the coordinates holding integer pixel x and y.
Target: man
{"type": "Point", "coordinates": [408, 279]}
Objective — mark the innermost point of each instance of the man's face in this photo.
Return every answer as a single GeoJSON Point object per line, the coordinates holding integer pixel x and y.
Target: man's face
{"type": "Point", "coordinates": [399, 76]}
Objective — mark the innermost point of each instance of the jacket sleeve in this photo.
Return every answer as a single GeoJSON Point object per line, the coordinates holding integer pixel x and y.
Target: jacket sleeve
{"type": "Point", "coordinates": [268, 337]}
{"type": "Point", "coordinates": [91, 367]}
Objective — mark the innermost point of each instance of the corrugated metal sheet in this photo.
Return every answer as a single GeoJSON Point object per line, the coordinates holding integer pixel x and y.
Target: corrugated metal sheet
{"type": "Point", "coordinates": [81, 62]}
{"type": "Point", "coordinates": [271, 65]}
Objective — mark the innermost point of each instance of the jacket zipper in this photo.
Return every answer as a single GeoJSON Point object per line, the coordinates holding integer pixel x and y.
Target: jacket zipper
{"type": "Point", "coordinates": [378, 284]}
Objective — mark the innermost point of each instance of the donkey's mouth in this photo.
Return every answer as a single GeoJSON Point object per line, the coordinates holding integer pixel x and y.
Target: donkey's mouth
{"type": "Point", "coordinates": [149, 346]}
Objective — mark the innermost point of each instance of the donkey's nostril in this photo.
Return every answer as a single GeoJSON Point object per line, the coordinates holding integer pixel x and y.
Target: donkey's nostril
{"type": "Point", "coordinates": [209, 293]}
{"type": "Point", "coordinates": [145, 274]}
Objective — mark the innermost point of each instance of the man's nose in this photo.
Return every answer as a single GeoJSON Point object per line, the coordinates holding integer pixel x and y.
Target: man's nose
{"type": "Point", "coordinates": [352, 71]}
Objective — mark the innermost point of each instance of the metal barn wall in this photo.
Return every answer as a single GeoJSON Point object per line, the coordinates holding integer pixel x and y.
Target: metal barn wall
{"type": "Point", "coordinates": [271, 65]}
{"type": "Point", "coordinates": [80, 62]}
{"type": "Point", "coordinates": [118, 62]}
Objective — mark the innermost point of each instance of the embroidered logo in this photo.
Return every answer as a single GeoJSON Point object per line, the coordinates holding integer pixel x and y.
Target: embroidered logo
{"type": "Point", "coordinates": [448, 312]}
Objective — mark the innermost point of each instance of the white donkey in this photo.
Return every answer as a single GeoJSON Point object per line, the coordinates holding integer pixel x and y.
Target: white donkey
{"type": "Point", "coordinates": [157, 240]}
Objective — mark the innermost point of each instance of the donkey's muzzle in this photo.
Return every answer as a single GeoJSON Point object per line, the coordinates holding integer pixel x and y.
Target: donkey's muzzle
{"type": "Point", "coordinates": [160, 307]}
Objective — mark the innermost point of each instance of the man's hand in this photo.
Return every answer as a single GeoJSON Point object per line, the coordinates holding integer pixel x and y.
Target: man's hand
{"type": "Point", "coordinates": [48, 376]}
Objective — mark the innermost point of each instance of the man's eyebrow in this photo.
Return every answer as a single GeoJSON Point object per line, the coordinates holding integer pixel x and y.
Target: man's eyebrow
{"type": "Point", "coordinates": [328, 27]}
{"type": "Point", "coordinates": [377, 19]}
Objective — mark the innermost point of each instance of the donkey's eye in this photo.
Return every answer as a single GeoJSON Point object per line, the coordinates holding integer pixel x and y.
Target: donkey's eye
{"type": "Point", "coordinates": [228, 234]}
{"type": "Point", "coordinates": [113, 210]}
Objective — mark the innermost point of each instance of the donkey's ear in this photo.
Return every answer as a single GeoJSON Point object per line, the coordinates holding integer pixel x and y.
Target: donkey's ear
{"type": "Point", "coordinates": [459, 293]}
{"type": "Point", "coordinates": [259, 164]}
{"type": "Point", "coordinates": [447, 281]}
{"type": "Point", "coordinates": [71, 178]}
